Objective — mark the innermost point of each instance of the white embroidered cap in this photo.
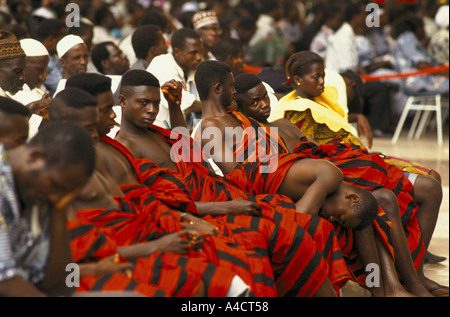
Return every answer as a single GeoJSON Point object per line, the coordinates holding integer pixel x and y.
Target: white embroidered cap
{"type": "Point", "coordinates": [204, 18]}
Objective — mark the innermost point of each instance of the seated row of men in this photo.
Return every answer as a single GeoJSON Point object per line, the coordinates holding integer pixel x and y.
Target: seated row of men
{"type": "Point", "coordinates": [143, 215]}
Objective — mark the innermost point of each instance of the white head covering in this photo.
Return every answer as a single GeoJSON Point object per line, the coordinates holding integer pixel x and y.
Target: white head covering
{"type": "Point", "coordinates": [33, 47]}
{"type": "Point", "coordinates": [441, 17]}
{"type": "Point", "coordinates": [204, 18]}
{"type": "Point", "coordinates": [66, 43]}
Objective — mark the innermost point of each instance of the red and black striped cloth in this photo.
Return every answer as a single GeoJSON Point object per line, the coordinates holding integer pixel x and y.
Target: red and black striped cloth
{"type": "Point", "coordinates": [361, 169]}
{"type": "Point", "coordinates": [156, 275]}
{"type": "Point", "coordinates": [278, 212]}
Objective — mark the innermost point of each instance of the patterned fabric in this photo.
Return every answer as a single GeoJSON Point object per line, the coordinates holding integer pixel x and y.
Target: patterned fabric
{"type": "Point", "coordinates": [318, 131]}
{"type": "Point", "coordinates": [143, 218]}
{"type": "Point", "coordinates": [273, 233]}
{"type": "Point", "coordinates": [259, 142]}
{"type": "Point", "coordinates": [439, 46]}
{"type": "Point", "coordinates": [321, 133]}
{"type": "Point", "coordinates": [22, 251]}
{"type": "Point", "coordinates": [156, 275]}
{"type": "Point", "coordinates": [370, 171]}
{"type": "Point", "coordinates": [10, 48]}
{"type": "Point", "coordinates": [249, 178]}
{"type": "Point", "coordinates": [321, 41]}
{"type": "Point", "coordinates": [408, 52]}
{"type": "Point", "coordinates": [204, 186]}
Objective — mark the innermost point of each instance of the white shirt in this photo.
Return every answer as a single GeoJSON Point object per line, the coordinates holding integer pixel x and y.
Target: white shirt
{"type": "Point", "coordinates": [165, 68]}
{"type": "Point", "coordinates": [265, 27]}
{"type": "Point", "coordinates": [342, 53]}
{"type": "Point", "coordinates": [61, 86]}
{"type": "Point", "coordinates": [26, 96]}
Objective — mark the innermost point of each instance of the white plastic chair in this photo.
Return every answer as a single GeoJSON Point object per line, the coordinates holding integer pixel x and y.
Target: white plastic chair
{"type": "Point", "coordinates": [424, 104]}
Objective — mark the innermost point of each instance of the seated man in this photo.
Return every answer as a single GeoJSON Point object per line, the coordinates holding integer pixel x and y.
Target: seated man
{"type": "Point", "coordinates": [108, 117]}
{"type": "Point", "coordinates": [38, 181]}
{"type": "Point", "coordinates": [139, 135]}
{"type": "Point", "coordinates": [252, 100]}
{"type": "Point", "coordinates": [140, 230]}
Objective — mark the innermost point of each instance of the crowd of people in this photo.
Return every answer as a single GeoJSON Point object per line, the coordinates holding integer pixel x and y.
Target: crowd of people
{"type": "Point", "coordinates": [217, 148]}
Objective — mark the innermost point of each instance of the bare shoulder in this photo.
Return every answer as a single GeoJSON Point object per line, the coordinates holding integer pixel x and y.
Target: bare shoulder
{"type": "Point", "coordinates": [213, 122]}
{"type": "Point", "coordinates": [287, 125]}
{"type": "Point", "coordinates": [130, 144]}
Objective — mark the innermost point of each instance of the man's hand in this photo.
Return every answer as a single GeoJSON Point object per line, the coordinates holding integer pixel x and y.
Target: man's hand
{"type": "Point", "coordinates": [200, 225]}
{"type": "Point", "coordinates": [180, 242]}
{"type": "Point", "coordinates": [108, 265]}
{"type": "Point", "coordinates": [363, 127]}
{"type": "Point", "coordinates": [243, 207]}
{"type": "Point", "coordinates": [172, 91]}
{"type": "Point", "coordinates": [40, 107]}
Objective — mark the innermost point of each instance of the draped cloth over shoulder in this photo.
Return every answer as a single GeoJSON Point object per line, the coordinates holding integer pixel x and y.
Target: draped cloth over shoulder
{"type": "Point", "coordinates": [296, 260]}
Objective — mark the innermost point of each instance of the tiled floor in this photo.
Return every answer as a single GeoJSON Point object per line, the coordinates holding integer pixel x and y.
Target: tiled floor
{"type": "Point", "coordinates": [425, 151]}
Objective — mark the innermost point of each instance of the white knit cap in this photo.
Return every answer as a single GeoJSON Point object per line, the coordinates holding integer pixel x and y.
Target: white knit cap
{"type": "Point", "coordinates": [66, 43]}
{"type": "Point", "coordinates": [33, 47]}
{"type": "Point", "coordinates": [441, 17]}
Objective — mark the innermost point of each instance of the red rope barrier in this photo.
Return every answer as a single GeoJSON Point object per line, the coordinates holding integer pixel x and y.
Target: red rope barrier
{"type": "Point", "coordinates": [420, 72]}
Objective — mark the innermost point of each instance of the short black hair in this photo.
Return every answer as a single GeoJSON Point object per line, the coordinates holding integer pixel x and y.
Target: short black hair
{"type": "Point", "coordinates": [70, 98]}
{"type": "Point", "coordinates": [50, 28]}
{"type": "Point", "coordinates": [208, 73]}
{"type": "Point", "coordinates": [65, 144]}
{"type": "Point", "coordinates": [100, 53]}
{"type": "Point", "coordinates": [81, 29]}
{"type": "Point", "coordinates": [138, 77]}
{"type": "Point", "coordinates": [156, 17]}
{"type": "Point", "coordinates": [178, 39]}
{"type": "Point", "coordinates": [12, 107]}
{"type": "Point", "coordinates": [93, 83]}
{"type": "Point", "coordinates": [143, 39]}
{"type": "Point", "coordinates": [243, 83]}
{"type": "Point", "coordinates": [246, 81]}
{"type": "Point", "coordinates": [351, 10]}
{"type": "Point", "coordinates": [366, 208]}
{"type": "Point", "coordinates": [227, 46]}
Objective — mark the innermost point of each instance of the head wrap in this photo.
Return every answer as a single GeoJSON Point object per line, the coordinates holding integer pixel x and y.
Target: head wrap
{"type": "Point", "coordinates": [66, 43]}
{"type": "Point", "coordinates": [441, 17]}
{"type": "Point", "coordinates": [204, 18]}
{"type": "Point", "coordinates": [33, 47]}
{"type": "Point", "coordinates": [10, 46]}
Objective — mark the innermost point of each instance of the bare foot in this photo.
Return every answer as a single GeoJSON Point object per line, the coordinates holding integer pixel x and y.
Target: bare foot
{"type": "Point", "coordinates": [400, 293]}
{"type": "Point", "coordinates": [434, 288]}
{"type": "Point", "coordinates": [439, 291]}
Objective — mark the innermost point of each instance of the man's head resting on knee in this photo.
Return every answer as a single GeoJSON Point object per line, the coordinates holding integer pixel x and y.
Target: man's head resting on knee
{"type": "Point", "coordinates": [351, 207]}
{"type": "Point", "coordinates": [55, 163]}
